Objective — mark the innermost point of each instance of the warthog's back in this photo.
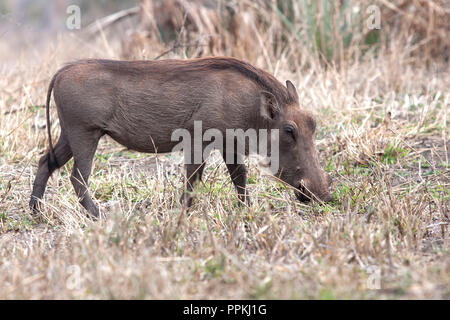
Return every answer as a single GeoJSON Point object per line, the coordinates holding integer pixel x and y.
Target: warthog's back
{"type": "Point", "coordinates": [140, 103]}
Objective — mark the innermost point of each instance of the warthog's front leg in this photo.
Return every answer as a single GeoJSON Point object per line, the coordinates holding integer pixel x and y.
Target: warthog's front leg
{"type": "Point", "coordinates": [194, 173]}
{"type": "Point", "coordinates": [238, 174]}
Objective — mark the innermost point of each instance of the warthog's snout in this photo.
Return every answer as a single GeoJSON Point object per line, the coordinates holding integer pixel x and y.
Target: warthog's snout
{"type": "Point", "coordinates": [316, 191]}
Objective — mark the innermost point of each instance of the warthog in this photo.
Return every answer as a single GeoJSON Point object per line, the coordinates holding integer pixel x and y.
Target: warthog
{"type": "Point", "coordinates": [140, 103]}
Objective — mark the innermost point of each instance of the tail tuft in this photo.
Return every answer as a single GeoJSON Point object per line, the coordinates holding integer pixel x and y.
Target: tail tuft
{"type": "Point", "coordinates": [52, 163]}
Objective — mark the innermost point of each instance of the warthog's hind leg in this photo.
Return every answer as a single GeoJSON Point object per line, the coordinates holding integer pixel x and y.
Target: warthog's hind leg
{"type": "Point", "coordinates": [63, 153]}
{"type": "Point", "coordinates": [83, 147]}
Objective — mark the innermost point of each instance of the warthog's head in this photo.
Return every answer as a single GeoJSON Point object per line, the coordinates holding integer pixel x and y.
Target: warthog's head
{"type": "Point", "coordinates": [298, 161]}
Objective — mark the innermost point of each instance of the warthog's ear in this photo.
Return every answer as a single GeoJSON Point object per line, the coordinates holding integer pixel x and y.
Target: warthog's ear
{"type": "Point", "coordinates": [269, 105]}
{"type": "Point", "coordinates": [292, 91]}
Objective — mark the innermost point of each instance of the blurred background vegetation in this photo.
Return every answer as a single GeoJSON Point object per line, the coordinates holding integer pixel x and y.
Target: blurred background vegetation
{"type": "Point", "coordinates": [50, 15]}
{"type": "Point", "coordinates": [260, 31]}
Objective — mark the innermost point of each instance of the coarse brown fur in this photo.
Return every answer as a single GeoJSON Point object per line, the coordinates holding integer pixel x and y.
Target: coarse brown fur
{"type": "Point", "coordinates": [140, 103]}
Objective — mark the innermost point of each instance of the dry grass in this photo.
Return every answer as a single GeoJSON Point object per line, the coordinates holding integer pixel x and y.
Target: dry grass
{"type": "Point", "coordinates": [382, 135]}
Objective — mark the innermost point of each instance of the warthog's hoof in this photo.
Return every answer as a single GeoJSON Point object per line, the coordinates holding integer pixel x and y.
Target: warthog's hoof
{"type": "Point", "coordinates": [93, 217]}
{"type": "Point", "coordinates": [186, 200]}
{"type": "Point", "coordinates": [92, 210]}
{"type": "Point", "coordinates": [35, 206]}
{"type": "Point", "coordinates": [244, 200]}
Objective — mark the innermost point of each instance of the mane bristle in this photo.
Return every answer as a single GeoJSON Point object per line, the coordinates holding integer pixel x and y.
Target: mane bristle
{"type": "Point", "coordinates": [267, 81]}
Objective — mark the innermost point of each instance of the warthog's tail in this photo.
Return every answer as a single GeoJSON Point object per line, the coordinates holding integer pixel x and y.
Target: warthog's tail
{"type": "Point", "coordinates": [52, 162]}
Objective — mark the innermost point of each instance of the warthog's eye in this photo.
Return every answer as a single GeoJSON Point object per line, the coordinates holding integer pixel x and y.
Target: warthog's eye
{"type": "Point", "coordinates": [290, 130]}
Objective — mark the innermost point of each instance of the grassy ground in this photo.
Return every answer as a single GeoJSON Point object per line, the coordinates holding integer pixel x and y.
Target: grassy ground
{"type": "Point", "coordinates": [382, 135]}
